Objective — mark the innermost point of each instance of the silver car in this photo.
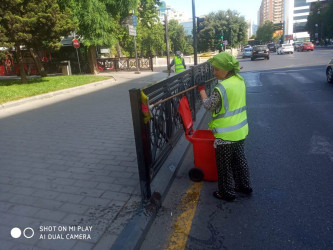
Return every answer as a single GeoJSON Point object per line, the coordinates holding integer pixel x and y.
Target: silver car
{"type": "Point", "coordinates": [285, 48]}
{"type": "Point", "coordinates": [247, 52]}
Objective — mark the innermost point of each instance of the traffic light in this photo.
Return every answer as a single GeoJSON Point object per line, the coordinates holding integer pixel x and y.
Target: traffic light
{"type": "Point", "coordinates": [221, 39]}
{"type": "Point", "coordinates": [200, 25]}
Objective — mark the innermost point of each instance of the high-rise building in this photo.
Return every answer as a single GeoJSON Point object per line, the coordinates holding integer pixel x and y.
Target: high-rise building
{"type": "Point", "coordinates": [271, 10]}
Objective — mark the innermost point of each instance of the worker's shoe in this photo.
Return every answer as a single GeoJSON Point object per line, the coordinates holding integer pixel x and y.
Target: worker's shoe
{"type": "Point", "coordinates": [218, 195]}
{"type": "Point", "coordinates": [247, 191]}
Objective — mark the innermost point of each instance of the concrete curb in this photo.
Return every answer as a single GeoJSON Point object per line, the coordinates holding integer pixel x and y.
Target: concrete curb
{"type": "Point", "coordinates": [136, 229]}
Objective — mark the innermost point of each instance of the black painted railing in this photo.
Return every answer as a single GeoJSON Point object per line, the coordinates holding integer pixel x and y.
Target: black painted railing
{"type": "Point", "coordinates": [156, 138]}
{"type": "Point", "coordinates": [124, 63]}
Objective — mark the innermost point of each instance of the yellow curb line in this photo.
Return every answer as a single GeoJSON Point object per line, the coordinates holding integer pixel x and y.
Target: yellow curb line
{"type": "Point", "coordinates": [182, 226]}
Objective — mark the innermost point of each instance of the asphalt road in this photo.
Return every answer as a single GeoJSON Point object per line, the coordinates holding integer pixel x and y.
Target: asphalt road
{"type": "Point", "coordinates": [290, 154]}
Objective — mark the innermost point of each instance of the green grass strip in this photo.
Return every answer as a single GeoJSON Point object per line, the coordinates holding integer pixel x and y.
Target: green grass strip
{"type": "Point", "coordinates": [13, 89]}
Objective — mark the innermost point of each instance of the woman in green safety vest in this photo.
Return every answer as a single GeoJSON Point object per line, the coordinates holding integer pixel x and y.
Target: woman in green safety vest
{"type": "Point", "coordinates": [179, 62]}
{"type": "Point", "coordinates": [229, 126]}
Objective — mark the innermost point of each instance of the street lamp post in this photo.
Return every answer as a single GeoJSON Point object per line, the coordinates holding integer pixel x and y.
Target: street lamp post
{"type": "Point", "coordinates": [194, 33]}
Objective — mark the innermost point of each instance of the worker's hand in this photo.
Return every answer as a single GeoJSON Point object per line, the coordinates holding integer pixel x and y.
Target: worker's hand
{"type": "Point", "coordinates": [201, 87]}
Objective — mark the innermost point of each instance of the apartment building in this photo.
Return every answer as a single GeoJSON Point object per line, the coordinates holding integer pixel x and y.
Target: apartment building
{"type": "Point", "coordinates": [271, 10]}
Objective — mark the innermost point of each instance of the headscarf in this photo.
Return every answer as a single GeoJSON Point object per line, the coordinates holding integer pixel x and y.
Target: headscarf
{"type": "Point", "coordinates": [226, 62]}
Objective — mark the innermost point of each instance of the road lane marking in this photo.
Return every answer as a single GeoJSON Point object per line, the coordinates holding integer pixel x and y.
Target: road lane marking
{"type": "Point", "coordinates": [320, 145]}
{"type": "Point", "coordinates": [251, 79]}
{"type": "Point", "coordinates": [300, 78]}
{"type": "Point", "coordinates": [182, 226]}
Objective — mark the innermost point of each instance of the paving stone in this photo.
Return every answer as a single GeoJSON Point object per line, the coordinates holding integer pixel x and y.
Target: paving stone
{"type": "Point", "coordinates": [105, 242]}
{"type": "Point", "coordinates": [90, 201]}
{"type": "Point", "coordinates": [81, 245]}
{"type": "Point", "coordinates": [70, 197]}
{"type": "Point", "coordinates": [71, 161]}
{"type": "Point", "coordinates": [24, 210]}
{"type": "Point", "coordinates": [74, 208]}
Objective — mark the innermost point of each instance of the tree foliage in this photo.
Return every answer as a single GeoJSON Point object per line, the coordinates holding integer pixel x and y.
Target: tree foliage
{"type": "Point", "coordinates": [265, 32]}
{"type": "Point", "coordinates": [320, 21]}
{"type": "Point", "coordinates": [229, 23]}
{"type": "Point", "coordinates": [32, 24]}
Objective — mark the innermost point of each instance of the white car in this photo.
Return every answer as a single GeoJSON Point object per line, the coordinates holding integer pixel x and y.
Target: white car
{"type": "Point", "coordinates": [285, 48]}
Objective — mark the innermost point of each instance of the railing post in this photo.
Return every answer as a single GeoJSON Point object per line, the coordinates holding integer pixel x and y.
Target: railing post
{"type": "Point", "coordinates": [192, 93]}
{"type": "Point", "coordinates": [142, 143]}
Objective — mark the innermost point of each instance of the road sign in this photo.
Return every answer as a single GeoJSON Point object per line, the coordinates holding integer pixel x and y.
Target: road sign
{"type": "Point", "coordinates": [131, 30]}
{"type": "Point", "coordinates": [76, 43]}
{"type": "Point", "coordinates": [134, 21]}
{"type": "Point", "coordinates": [225, 42]}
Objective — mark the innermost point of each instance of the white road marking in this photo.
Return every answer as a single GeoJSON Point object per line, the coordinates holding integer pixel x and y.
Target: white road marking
{"type": "Point", "coordinates": [300, 78]}
{"type": "Point", "coordinates": [251, 79]}
{"type": "Point", "coordinates": [321, 146]}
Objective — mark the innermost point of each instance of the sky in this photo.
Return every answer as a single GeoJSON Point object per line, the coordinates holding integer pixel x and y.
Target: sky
{"type": "Point", "coordinates": [246, 8]}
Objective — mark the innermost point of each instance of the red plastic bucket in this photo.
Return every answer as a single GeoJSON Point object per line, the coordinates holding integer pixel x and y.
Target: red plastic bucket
{"type": "Point", "coordinates": [202, 141]}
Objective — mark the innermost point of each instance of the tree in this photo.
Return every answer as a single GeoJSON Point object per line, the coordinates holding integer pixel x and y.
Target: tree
{"type": "Point", "coordinates": [100, 23]}
{"type": "Point", "coordinates": [265, 32]}
{"type": "Point", "coordinates": [227, 23]}
{"type": "Point", "coordinates": [320, 21]}
{"type": "Point", "coordinates": [29, 24]}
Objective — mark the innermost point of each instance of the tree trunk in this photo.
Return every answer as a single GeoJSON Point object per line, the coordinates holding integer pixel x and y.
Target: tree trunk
{"type": "Point", "coordinates": [20, 63]}
{"type": "Point", "coordinates": [118, 48]}
{"type": "Point", "coordinates": [40, 67]}
{"type": "Point", "coordinates": [92, 60]}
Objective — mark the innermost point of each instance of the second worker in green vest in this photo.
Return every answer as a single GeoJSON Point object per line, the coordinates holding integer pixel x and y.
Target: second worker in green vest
{"type": "Point", "coordinates": [227, 104]}
{"type": "Point", "coordinates": [179, 62]}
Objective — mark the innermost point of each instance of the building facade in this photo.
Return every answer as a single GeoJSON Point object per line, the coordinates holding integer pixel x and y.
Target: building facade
{"type": "Point", "coordinates": [271, 10]}
{"type": "Point", "coordinates": [295, 17]}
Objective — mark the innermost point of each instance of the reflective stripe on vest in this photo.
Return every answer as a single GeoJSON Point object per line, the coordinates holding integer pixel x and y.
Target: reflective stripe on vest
{"type": "Point", "coordinates": [231, 128]}
{"type": "Point", "coordinates": [226, 105]}
{"type": "Point", "coordinates": [179, 64]}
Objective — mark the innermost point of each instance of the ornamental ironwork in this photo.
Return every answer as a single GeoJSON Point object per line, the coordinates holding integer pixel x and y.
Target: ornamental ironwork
{"type": "Point", "coordinates": [156, 138]}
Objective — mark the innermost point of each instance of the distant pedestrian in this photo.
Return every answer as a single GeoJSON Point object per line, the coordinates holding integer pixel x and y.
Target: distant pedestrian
{"type": "Point", "coordinates": [229, 126]}
{"type": "Point", "coordinates": [179, 62]}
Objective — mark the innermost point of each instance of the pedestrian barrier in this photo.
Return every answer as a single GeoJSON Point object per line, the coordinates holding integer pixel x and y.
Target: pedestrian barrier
{"type": "Point", "coordinates": [158, 128]}
{"type": "Point", "coordinates": [124, 63]}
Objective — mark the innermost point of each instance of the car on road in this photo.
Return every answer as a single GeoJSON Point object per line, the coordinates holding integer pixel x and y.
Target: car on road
{"type": "Point", "coordinates": [285, 48]}
{"type": "Point", "coordinates": [296, 45]}
{"type": "Point", "coordinates": [260, 51]}
{"type": "Point", "coordinates": [247, 52]}
{"type": "Point", "coordinates": [271, 47]}
{"type": "Point", "coordinates": [306, 46]}
{"type": "Point", "coordinates": [329, 71]}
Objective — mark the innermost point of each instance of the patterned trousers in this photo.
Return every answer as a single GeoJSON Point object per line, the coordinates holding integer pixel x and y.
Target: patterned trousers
{"type": "Point", "coordinates": [232, 168]}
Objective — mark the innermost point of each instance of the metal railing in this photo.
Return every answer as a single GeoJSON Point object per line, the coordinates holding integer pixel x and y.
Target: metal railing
{"type": "Point", "coordinates": [125, 63]}
{"type": "Point", "coordinates": [156, 138]}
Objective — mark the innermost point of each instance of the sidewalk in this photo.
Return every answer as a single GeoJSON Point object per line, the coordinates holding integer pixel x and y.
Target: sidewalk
{"type": "Point", "coordinates": [68, 167]}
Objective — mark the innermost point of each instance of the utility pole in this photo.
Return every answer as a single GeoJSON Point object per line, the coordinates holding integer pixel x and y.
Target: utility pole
{"type": "Point", "coordinates": [194, 33]}
{"type": "Point", "coordinates": [167, 41]}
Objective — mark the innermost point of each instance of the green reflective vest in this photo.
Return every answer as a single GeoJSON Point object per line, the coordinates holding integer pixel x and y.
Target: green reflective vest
{"type": "Point", "coordinates": [230, 124]}
{"type": "Point", "coordinates": [179, 64]}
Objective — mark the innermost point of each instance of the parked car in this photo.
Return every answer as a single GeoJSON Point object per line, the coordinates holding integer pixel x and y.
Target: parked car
{"type": "Point", "coordinates": [329, 72]}
{"type": "Point", "coordinates": [296, 45]}
{"type": "Point", "coordinates": [260, 51]}
{"type": "Point", "coordinates": [285, 48]}
{"type": "Point", "coordinates": [271, 47]}
{"type": "Point", "coordinates": [247, 52]}
{"type": "Point", "coordinates": [306, 46]}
